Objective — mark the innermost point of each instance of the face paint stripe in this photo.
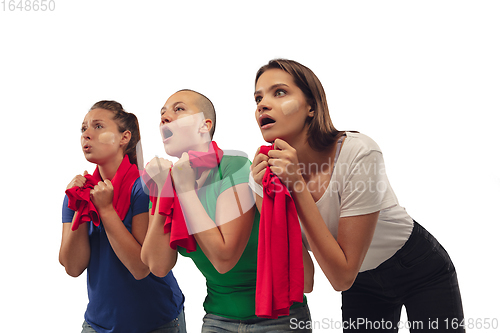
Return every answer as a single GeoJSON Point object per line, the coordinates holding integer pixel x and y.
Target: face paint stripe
{"type": "Point", "coordinates": [107, 138]}
{"type": "Point", "coordinates": [290, 107]}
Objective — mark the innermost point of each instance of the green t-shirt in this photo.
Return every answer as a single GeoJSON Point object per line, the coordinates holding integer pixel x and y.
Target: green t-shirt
{"type": "Point", "coordinates": [230, 295]}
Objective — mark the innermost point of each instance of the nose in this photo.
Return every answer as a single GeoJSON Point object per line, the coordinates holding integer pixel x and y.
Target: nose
{"type": "Point", "coordinates": [263, 105]}
{"type": "Point", "coordinates": [166, 117]}
{"type": "Point", "coordinates": [86, 134]}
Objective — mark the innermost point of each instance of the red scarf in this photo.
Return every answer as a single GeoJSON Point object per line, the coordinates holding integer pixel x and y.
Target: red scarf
{"type": "Point", "coordinates": [79, 197]}
{"type": "Point", "coordinates": [280, 269]}
{"type": "Point", "coordinates": [169, 202]}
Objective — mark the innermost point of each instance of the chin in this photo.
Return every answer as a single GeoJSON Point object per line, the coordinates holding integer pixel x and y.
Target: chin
{"type": "Point", "coordinates": [91, 159]}
{"type": "Point", "coordinates": [268, 137]}
{"type": "Point", "coordinates": [171, 150]}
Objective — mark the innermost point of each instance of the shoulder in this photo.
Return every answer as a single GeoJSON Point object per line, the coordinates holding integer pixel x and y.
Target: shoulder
{"type": "Point", "coordinates": [67, 213]}
{"type": "Point", "coordinates": [137, 194]}
{"type": "Point", "coordinates": [358, 145]}
{"type": "Point", "coordinates": [234, 168]}
{"type": "Point", "coordinates": [231, 159]}
{"type": "Point", "coordinates": [361, 141]}
{"type": "Point", "coordinates": [137, 187]}
{"type": "Point", "coordinates": [139, 200]}
{"type": "Point", "coordinates": [234, 164]}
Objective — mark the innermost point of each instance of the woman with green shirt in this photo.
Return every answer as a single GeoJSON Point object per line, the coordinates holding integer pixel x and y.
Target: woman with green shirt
{"type": "Point", "coordinates": [220, 213]}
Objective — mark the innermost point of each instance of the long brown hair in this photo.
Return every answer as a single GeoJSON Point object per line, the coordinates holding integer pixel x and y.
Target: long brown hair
{"type": "Point", "coordinates": [321, 133]}
{"type": "Point", "coordinates": [126, 121]}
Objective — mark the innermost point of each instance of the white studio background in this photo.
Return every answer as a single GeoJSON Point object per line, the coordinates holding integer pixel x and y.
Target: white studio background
{"type": "Point", "coordinates": [421, 78]}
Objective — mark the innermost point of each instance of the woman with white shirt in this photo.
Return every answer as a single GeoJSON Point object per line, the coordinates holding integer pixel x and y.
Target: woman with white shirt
{"type": "Point", "coordinates": [364, 241]}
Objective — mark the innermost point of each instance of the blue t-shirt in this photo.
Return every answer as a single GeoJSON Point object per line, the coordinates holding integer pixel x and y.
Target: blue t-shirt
{"type": "Point", "coordinates": [117, 301]}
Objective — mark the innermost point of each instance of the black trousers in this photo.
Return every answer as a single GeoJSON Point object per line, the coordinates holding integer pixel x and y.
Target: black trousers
{"type": "Point", "coordinates": [420, 276]}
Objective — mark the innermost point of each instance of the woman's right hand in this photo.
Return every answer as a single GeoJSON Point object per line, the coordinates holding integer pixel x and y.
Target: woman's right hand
{"type": "Point", "coordinates": [79, 181]}
{"type": "Point", "coordinates": [258, 167]}
{"type": "Point", "coordinates": [158, 169]}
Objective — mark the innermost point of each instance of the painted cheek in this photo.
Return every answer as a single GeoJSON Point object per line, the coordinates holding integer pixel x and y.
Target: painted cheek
{"type": "Point", "coordinates": [188, 120]}
{"type": "Point", "coordinates": [290, 107]}
{"type": "Point", "coordinates": [107, 138]}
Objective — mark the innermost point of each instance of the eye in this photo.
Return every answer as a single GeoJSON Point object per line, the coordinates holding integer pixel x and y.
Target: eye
{"type": "Point", "coordinates": [178, 108]}
{"type": "Point", "coordinates": [280, 92]}
{"type": "Point", "coordinates": [258, 99]}
{"type": "Point", "coordinates": [84, 129]}
{"type": "Point", "coordinates": [98, 126]}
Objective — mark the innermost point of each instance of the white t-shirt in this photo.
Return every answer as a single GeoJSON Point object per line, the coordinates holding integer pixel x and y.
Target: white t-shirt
{"type": "Point", "coordinates": [359, 186]}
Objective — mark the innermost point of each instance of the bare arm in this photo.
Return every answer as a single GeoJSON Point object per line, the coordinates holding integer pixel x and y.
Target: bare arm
{"type": "Point", "coordinates": [308, 270]}
{"type": "Point", "coordinates": [339, 259]}
{"type": "Point", "coordinates": [74, 253]}
{"type": "Point", "coordinates": [156, 251]}
{"type": "Point", "coordinates": [223, 240]}
{"type": "Point", "coordinates": [126, 245]}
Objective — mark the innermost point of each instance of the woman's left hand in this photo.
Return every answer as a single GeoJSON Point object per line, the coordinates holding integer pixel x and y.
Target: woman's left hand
{"type": "Point", "coordinates": [284, 163]}
{"type": "Point", "coordinates": [102, 195]}
{"type": "Point", "coordinates": [183, 174]}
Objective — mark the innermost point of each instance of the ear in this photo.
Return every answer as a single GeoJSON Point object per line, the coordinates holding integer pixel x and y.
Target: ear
{"type": "Point", "coordinates": [206, 126]}
{"type": "Point", "coordinates": [310, 113]}
{"type": "Point", "coordinates": [310, 105]}
{"type": "Point", "coordinates": [126, 136]}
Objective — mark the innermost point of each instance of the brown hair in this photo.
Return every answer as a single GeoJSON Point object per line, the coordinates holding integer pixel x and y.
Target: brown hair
{"type": "Point", "coordinates": [321, 133]}
{"type": "Point", "coordinates": [126, 121]}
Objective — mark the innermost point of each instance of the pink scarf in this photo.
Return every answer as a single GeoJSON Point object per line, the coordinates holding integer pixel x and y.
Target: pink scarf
{"type": "Point", "coordinates": [280, 269]}
{"type": "Point", "coordinates": [169, 202]}
{"type": "Point", "coordinates": [79, 197]}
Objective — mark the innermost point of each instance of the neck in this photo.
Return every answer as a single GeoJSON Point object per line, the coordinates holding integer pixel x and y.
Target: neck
{"type": "Point", "coordinates": [202, 146]}
{"type": "Point", "coordinates": [311, 160]}
{"type": "Point", "coordinates": [108, 170]}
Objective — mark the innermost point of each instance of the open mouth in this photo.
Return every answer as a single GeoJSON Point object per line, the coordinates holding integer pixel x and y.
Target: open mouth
{"type": "Point", "coordinates": [265, 121]}
{"type": "Point", "coordinates": [166, 133]}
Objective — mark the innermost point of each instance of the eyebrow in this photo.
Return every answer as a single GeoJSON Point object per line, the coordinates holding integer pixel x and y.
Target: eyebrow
{"type": "Point", "coordinates": [271, 88]}
{"type": "Point", "coordinates": [173, 106]}
{"type": "Point", "coordinates": [93, 121]}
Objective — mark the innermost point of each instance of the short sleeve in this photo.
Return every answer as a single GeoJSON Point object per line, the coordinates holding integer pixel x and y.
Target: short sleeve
{"type": "Point", "coordinates": [256, 188]}
{"type": "Point", "coordinates": [366, 188]}
{"type": "Point", "coordinates": [67, 213]}
{"type": "Point", "coordinates": [139, 200]}
{"type": "Point", "coordinates": [233, 170]}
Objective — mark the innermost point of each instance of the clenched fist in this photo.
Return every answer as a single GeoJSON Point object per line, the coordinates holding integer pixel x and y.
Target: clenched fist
{"type": "Point", "coordinates": [102, 195]}
{"type": "Point", "coordinates": [158, 169]}
{"type": "Point", "coordinates": [79, 181]}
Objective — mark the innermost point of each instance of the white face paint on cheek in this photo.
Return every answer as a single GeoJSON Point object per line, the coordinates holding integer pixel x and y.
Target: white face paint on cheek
{"type": "Point", "coordinates": [107, 138]}
{"type": "Point", "coordinates": [290, 107]}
